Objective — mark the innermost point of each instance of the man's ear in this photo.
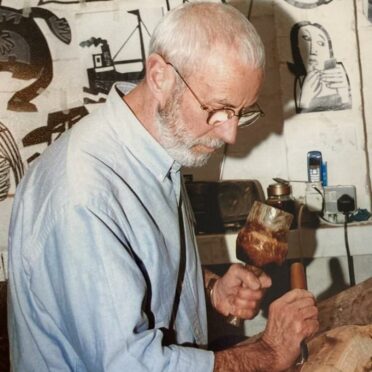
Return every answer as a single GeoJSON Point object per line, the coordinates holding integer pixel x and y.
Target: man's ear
{"type": "Point", "coordinates": [159, 78]}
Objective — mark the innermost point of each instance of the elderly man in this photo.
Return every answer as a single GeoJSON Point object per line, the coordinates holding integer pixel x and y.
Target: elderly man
{"type": "Point", "coordinates": [104, 272]}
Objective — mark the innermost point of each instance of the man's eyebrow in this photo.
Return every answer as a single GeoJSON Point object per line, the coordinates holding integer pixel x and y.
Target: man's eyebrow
{"type": "Point", "coordinates": [226, 104]}
{"type": "Point", "coordinates": [223, 102]}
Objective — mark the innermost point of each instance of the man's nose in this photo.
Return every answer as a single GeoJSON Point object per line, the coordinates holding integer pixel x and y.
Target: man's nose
{"type": "Point", "coordinates": [227, 131]}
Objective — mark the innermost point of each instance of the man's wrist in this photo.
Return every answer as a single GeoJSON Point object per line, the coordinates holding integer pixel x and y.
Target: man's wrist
{"type": "Point", "coordinates": [257, 356]}
{"type": "Point", "coordinates": [210, 290]}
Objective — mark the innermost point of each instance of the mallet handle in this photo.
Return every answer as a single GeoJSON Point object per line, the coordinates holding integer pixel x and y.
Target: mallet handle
{"type": "Point", "coordinates": [234, 320]}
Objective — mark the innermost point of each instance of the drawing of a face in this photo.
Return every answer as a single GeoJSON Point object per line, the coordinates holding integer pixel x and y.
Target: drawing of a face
{"type": "Point", "coordinates": [307, 4]}
{"type": "Point", "coordinates": [314, 47]}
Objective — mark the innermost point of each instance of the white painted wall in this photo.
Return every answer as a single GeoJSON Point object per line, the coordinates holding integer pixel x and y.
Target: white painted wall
{"type": "Point", "coordinates": [277, 146]}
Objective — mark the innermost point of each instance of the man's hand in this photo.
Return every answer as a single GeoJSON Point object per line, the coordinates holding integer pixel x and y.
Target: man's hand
{"type": "Point", "coordinates": [239, 292]}
{"type": "Point", "coordinates": [292, 318]}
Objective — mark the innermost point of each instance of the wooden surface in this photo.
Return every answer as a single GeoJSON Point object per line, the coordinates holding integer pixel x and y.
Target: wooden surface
{"type": "Point", "coordinates": [343, 349]}
{"type": "Point", "coordinates": [352, 306]}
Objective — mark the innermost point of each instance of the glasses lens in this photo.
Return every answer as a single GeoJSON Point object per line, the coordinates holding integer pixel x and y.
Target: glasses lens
{"type": "Point", "coordinates": [218, 117]}
{"type": "Point", "coordinates": [249, 119]}
{"type": "Point", "coordinates": [250, 116]}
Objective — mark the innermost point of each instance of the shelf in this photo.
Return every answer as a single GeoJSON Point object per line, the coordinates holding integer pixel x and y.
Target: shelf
{"type": "Point", "coordinates": [324, 241]}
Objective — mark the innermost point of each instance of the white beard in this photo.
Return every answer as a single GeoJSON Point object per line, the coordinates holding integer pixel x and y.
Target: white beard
{"type": "Point", "coordinates": [175, 138]}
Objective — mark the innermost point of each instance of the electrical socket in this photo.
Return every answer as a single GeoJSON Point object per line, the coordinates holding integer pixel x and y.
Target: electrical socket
{"type": "Point", "coordinates": [331, 195]}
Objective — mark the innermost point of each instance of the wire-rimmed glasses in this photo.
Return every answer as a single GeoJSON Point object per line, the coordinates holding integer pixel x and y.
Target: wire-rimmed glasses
{"type": "Point", "coordinates": [246, 116]}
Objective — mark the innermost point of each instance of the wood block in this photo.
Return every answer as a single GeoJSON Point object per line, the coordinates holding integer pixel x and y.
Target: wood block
{"type": "Point", "coordinates": [350, 307]}
{"type": "Point", "coordinates": [342, 349]}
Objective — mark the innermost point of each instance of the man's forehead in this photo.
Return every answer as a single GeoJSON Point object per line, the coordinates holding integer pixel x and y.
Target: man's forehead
{"type": "Point", "coordinates": [231, 85]}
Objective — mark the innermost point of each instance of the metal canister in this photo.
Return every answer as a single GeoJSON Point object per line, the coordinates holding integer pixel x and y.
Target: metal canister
{"type": "Point", "coordinates": [279, 195]}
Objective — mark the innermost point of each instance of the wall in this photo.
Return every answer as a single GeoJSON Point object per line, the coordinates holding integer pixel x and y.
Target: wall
{"type": "Point", "coordinates": [278, 145]}
{"type": "Point", "coordinates": [53, 58]}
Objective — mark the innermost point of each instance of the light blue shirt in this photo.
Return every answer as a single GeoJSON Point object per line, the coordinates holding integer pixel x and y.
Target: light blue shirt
{"type": "Point", "coordinates": [94, 252]}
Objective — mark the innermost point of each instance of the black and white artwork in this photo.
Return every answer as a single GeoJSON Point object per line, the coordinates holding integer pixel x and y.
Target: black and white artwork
{"type": "Point", "coordinates": [58, 123]}
{"type": "Point", "coordinates": [367, 9]}
{"type": "Point", "coordinates": [43, 2]}
{"type": "Point", "coordinates": [168, 3]}
{"type": "Point", "coordinates": [25, 53]}
{"type": "Point", "coordinates": [103, 74]}
{"type": "Point", "coordinates": [172, 3]}
{"type": "Point", "coordinates": [307, 4]}
{"type": "Point", "coordinates": [321, 82]}
{"type": "Point", "coordinates": [115, 53]}
{"type": "Point", "coordinates": [11, 165]}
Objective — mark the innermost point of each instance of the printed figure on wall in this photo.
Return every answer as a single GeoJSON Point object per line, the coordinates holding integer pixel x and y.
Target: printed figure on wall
{"type": "Point", "coordinates": [175, 3]}
{"type": "Point", "coordinates": [367, 9]}
{"type": "Point", "coordinates": [169, 6]}
{"type": "Point", "coordinates": [58, 123]}
{"type": "Point", "coordinates": [321, 82]}
{"type": "Point", "coordinates": [307, 4]}
{"type": "Point", "coordinates": [43, 2]}
{"type": "Point", "coordinates": [109, 67]}
{"type": "Point", "coordinates": [10, 159]}
{"type": "Point", "coordinates": [25, 53]}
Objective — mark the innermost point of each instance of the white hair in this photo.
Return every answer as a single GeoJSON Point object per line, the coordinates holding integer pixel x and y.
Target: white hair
{"type": "Point", "coordinates": [189, 32]}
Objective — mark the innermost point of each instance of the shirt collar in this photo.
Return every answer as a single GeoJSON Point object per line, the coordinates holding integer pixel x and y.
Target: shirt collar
{"type": "Point", "coordinates": [134, 135]}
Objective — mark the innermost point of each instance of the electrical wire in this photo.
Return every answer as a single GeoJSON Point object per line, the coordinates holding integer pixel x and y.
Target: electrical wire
{"type": "Point", "coordinates": [299, 229]}
{"type": "Point", "coordinates": [350, 262]}
{"type": "Point", "coordinates": [321, 216]}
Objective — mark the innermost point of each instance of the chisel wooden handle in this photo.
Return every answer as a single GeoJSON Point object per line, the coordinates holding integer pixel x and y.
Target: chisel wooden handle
{"type": "Point", "coordinates": [298, 277]}
{"type": "Point", "coordinates": [298, 280]}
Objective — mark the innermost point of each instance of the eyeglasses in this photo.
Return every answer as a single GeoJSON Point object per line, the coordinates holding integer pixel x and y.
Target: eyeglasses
{"type": "Point", "coordinates": [246, 116]}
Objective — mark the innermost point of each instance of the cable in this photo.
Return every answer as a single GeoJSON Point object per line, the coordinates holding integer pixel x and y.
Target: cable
{"type": "Point", "coordinates": [346, 204]}
{"type": "Point", "coordinates": [323, 200]}
{"type": "Point", "coordinates": [321, 215]}
{"type": "Point", "coordinates": [299, 227]}
{"type": "Point", "coordinates": [350, 262]}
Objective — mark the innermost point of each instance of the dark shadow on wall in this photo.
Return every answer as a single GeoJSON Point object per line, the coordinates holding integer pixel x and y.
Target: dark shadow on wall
{"type": "Point", "coordinates": [270, 99]}
{"type": "Point", "coordinates": [338, 282]}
